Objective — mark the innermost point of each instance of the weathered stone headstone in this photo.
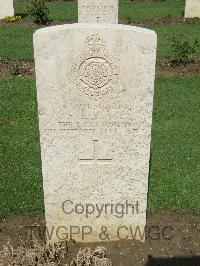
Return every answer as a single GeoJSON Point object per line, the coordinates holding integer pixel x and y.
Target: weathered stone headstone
{"type": "Point", "coordinates": [6, 8]}
{"type": "Point", "coordinates": [192, 8]}
{"type": "Point", "coordinates": [98, 11]}
{"type": "Point", "coordinates": [95, 85]}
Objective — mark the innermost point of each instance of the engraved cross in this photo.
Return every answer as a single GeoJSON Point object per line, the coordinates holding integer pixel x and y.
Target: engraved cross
{"type": "Point", "coordinates": [95, 161]}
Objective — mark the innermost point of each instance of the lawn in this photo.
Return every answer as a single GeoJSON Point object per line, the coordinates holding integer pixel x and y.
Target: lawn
{"type": "Point", "coordinates": [175, 169]}
{"type": "Point", "coordinates": [152, 9]}
{"type": "Point", "coordinates": [66, 10]}
{"type": "Point", "coordinates": [20, 37]}
{"type": "Point", "coordinates": [167, 32]}
{"type": "Point", "coordinates": [21, 178]}
{"type": "Point", "coordinates": [59, 10]}
{"type": "Point", "coordinates": [16, 42]}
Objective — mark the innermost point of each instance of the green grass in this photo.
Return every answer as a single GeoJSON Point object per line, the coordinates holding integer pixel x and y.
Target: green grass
{"type": "Point", "coordinates": [167, 32]}
{"type": "Point", "coordinates": [20, 170]}
{"type": "Point", "coordinates": [175, 168]}
{"type": "Point", "coordinates": [16, 40]}
{"type": "Point", "coordinates": [59, 10]}
{"type": "Point", "coordinates": [63, 10]}
{"type": "Point", "coordinates": [154, 9]}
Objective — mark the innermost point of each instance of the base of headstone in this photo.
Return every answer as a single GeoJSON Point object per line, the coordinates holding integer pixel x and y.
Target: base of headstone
{"type": "Point", "coordinates": [6, 8]}
{"type": "Point", "coordinates": [192, 9]}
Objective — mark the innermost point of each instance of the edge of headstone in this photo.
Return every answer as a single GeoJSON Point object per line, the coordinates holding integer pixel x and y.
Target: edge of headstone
{"type": "Point", "coordinates": [96, 26]}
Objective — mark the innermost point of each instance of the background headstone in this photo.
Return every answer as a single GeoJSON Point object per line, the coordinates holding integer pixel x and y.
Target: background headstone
{"type": "Point", "coordinates": [98, 11]}
{"type": "Point", "coordinates": [6, 8]}
{"type": "Point", "coordinates": [192, 8]}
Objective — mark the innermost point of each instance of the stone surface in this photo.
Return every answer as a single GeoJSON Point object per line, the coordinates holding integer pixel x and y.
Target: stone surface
{"type": "Point", "coordinates": [98, 11]}
{"type": "Point", "coordinates": [95, 85]}
{"type": "Point", "coordinates": [192, 8]}
{"type": "Point", "coordinates": [6, 8]}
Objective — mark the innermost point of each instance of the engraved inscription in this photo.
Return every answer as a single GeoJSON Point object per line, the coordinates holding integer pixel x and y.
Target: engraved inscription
{"type": "Point", "coordinates": [95, 72]}
{"type": "Point", "coordinates": [95, 161]}
{"type": "Point", "coordinates": [98, 11]}
{"type": "Point", "coordinates": [101, 127]}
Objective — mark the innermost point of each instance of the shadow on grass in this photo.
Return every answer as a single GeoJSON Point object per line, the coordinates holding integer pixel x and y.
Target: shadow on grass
{"type": "Point", "coordinates": [177, 261]}
{"type": "Point", "coordinates": [22, 15]}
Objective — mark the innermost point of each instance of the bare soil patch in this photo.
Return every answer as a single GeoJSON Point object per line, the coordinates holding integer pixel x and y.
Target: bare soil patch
{"type": "Point", "coordinates": [16, 68]}
{"type": "Point", "coordinates": [171, 239]}
{"type": "Point", "coordinates": [156, 21]}
{"type": "Point", "coordinates": [142, 22]}
{"type": "Point", "coordinates": [163, 68]}
{"type": "Point", "coordinates": [167, 69]}
{"type": "Point", "coordinates": [153, 21]}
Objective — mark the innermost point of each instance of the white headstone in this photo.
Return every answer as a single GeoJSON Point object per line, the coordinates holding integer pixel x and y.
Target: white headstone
{"type": "Point", "coordinates": [95, 85]}
{"type": "Point", "coordinates": [98, 11]}
{"type": "Point", "coordinates": [192, 8]}
{"type": "Point", "coordinates": [6, 8]}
